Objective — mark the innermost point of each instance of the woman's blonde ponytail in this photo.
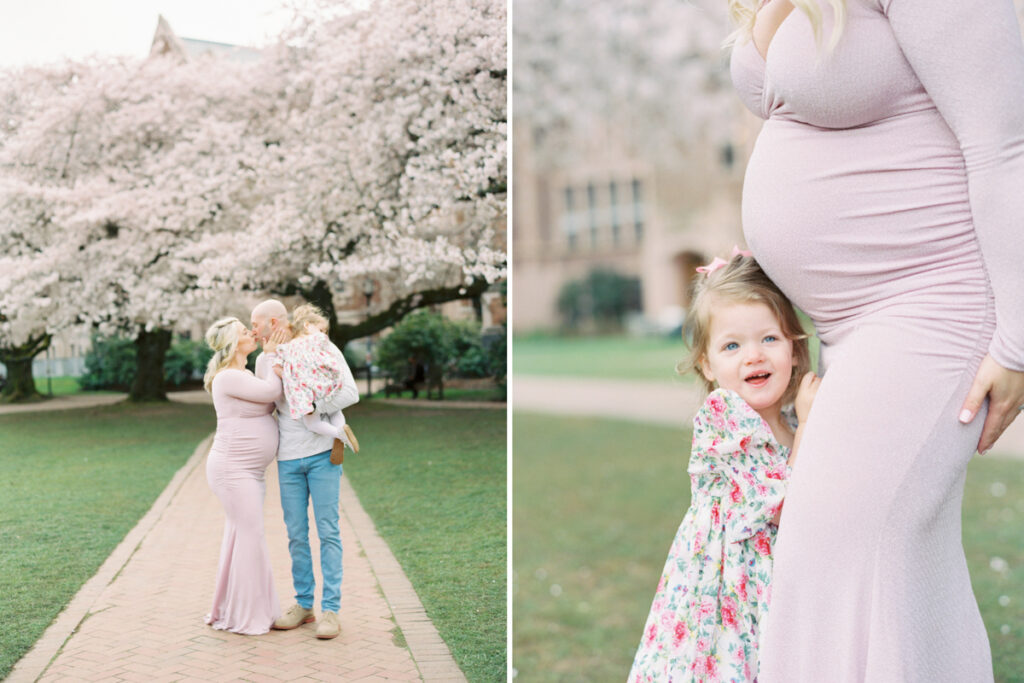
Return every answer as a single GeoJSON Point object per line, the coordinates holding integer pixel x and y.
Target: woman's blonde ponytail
{"type": "Point", "coordinates": [222, 337]}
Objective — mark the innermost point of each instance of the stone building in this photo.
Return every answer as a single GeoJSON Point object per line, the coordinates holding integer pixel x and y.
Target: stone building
{"type": "Point", "coordinates": [609, 209]}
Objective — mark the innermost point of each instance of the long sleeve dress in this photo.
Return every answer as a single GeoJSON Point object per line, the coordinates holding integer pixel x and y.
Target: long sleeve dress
{"type": "Point", "coordinates": [711, 604]}
{"type": "Point", "coordinates": [245, 443]}
{"type": "Point", "coordinates": [884, 197]}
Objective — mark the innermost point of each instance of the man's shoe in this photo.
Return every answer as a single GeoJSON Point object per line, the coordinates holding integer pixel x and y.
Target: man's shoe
{"type": "Point", "coordinates": [328, 626]}
{"type": "Point", "coordinates": [295, 616]}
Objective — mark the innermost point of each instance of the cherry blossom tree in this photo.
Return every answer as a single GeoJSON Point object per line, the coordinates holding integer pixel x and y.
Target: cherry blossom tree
{"type": "Point", "coordinates": [392, 160]}
{"type": "Point", "coordinates": [135, 160]}
{"type": "Point", "coordinates": [370, 143]}
{"type": "Point", "coordinates": [652, 70]}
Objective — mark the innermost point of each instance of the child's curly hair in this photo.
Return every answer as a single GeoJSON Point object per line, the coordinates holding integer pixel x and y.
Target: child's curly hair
{"type": "Point", "coordinates": [307, 314]}
{"type": "Point", "coordinates": [741, 280]}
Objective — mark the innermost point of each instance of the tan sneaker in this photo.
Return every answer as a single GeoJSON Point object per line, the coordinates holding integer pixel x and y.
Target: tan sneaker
{"type": "Point", "coordinates": [328, 626]}
{"type": "Point", "coordinates": [294, 616]}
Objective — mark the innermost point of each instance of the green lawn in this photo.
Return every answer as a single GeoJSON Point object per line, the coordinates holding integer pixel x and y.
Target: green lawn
{"type": "Point", "coordinates": [70, 489]}
{"type": "Point", "coordinates": [63, 386]}
{"type": "Point", "coordinates": [596, 504]}
{"type": "Point", "coordinates": [434, 482]}
{"type": "Point", "coordinates": [618, 357]}
{"type": "Point", "coordinates": [645, 358]}
{"type": "Point", "coordinates": [482, 395]}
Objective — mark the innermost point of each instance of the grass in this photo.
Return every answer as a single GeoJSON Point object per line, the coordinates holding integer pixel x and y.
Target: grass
{"type": "Point", "coordinates": [64, 386]}
{"type": "Point", "coordinates": [617, 357]}
{"type": "Point", "coordinates": [70, 489]}
{"type": "Point", "coordinates": [593, 525]}
{"type": "Point", "coordinates": [434, 482]}
{"type": "Point", "coordinates": [482, 395]}
{"type": "Point", "coordinates": [644, 358]}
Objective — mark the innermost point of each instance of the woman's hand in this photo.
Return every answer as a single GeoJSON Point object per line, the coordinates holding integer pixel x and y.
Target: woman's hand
{"type": "Point", "coordinates": [1005, 391]}
{"type": "Point", "coordinates": [279, 371]}
{"type": "Point", "coordinates": [805, 396]}
{"type": "Point", "coordinates": [278, 336]}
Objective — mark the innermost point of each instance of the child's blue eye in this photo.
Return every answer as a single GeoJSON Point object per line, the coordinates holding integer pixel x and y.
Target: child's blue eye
{"type": "Point", "coordinates": [771, 338]}
{"type": "Point", "coordinates": [731, 346]}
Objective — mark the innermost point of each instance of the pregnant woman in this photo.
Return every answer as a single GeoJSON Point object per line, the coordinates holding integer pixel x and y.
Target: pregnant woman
{"type": "Point", "coordinates": [885, 196]}
{"type": "Point", "coordinates": [244, 600]}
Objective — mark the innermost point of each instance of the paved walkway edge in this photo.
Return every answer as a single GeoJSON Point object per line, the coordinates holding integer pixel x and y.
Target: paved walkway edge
{"type": "Point", "coordinates": [35, 662]}
{"type": "Point", "coordinates": [429, 651]}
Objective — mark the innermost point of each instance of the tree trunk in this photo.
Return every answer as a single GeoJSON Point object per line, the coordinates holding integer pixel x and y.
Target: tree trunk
{"type": "Point", "coordinates": [21, 385]}
{"type": "Point", "coordinates": [151, 348]}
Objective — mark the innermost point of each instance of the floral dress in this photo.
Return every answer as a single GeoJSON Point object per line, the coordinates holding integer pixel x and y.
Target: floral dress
{"type": "Point", "coordinates": [712, 600]}
{"type": "Point", "coordinates": [312, 371]}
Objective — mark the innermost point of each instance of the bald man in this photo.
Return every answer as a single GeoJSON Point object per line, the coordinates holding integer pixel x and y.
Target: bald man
{"type": "Point", "coordinates": [305, 472]}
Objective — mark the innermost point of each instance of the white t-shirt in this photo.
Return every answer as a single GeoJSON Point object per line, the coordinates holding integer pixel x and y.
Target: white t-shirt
{"type": "Point", "coordinates": [294, 440]}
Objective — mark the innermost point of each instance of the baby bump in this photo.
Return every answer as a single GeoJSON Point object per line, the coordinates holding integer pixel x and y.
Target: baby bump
{"type": "Point", "coordinates": [243, 447]}
{"type": "Point", "coordinates": [857, 221]}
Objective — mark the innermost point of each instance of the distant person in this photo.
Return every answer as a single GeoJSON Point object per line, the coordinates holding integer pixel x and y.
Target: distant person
{"type": "Point", "coordinates": [417, 376]}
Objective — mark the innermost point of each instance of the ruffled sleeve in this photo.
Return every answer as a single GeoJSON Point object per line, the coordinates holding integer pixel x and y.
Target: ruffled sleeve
{"type": "Point", "coordinates": [736, 457]}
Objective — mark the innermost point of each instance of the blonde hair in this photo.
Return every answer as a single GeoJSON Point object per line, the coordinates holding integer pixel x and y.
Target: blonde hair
{"type": "Point", "coordinates": [741, 280]}
{"type": "Point", "coordinates": [222, 337]}
{"type": "Point", "coordinates": [744, 13]}
{"type": "Point", "coordinates": [304, 315]}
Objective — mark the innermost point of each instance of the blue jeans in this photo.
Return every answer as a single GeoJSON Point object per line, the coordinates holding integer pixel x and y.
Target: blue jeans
{"type": "Point", "coordinates": [301, 479]}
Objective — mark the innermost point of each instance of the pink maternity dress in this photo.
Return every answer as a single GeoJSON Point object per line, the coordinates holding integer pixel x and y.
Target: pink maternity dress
{"type": "Point", "coordinates": [244, 600]}
{"type": "Point", "coordinates": [885, 196]}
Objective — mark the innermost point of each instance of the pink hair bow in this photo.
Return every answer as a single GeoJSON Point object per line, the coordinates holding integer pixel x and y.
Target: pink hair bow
{"type": "Point", "coordinates": [719, 262]}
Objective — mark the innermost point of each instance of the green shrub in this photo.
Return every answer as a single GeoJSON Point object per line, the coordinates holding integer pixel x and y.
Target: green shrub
{"type": "Point", "coordinates": [603, 298]}
{"type": "Point", "coordinates": [425, 335]}
{"type": "Point", "coordinates": [111, 363]}
{"type": "Point", "coordinates": [433, 339]}
{"type": "Point", "coordinates": [185, 360]}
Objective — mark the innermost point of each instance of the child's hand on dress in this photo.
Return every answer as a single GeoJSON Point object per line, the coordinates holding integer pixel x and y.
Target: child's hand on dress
{"type": "Point", "coordinates": [805, 396]}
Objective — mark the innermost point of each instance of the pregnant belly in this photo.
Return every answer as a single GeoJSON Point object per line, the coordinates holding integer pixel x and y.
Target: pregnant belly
{"type": "Point", "coordinates": [245, 445]}
{"type": "Point", "coordinates": [856, 221]}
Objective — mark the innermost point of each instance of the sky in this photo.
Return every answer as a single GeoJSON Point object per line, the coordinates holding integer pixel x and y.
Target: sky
{"type": "Point", "coordinates": [46, 31]}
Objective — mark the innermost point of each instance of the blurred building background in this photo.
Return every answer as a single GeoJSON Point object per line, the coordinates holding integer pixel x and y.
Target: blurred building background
{"type": "Point", "coordinates": [629, 153]}
{"type": "Point", "coordinates": [643, 178]}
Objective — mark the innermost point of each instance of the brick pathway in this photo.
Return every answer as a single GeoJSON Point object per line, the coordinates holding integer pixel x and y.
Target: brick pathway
{"type": "Point", "coordinates": [140, 617]}
{"type": "Point", "coordinates": [670, 403]}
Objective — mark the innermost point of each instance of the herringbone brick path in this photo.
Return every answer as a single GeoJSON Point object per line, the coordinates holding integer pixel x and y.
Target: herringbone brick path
{"type": "Point", "coordinates": [141, 617]}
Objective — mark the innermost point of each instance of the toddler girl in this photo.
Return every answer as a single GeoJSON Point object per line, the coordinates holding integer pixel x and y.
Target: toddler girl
{"type": "Point", "coordinates": [310, 367]}
{"type": "Point", "coordinates": [712, 600]}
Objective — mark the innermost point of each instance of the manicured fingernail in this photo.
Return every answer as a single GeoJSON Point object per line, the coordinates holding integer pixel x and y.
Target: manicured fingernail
{"type": "Point", "coordinates": [965, 416]}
